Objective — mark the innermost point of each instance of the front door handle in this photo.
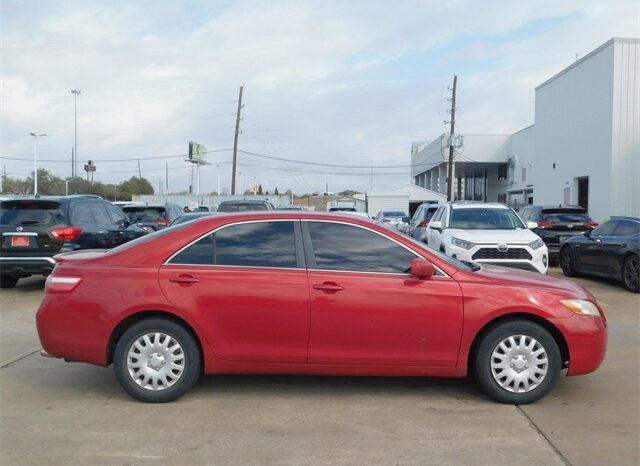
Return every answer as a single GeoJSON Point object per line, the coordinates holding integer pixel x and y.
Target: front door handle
{"type": "Point", "coordinates": [328, 286]}
{"type": "Point", "coordinates": [185, 280]}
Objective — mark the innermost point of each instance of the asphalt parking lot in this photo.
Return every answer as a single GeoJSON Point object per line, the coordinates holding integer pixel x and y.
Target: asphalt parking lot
{"type": "Point", "coordinates": [58, 413]}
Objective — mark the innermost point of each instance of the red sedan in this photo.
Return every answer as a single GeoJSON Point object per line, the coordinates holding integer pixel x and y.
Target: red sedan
{"type": "Point", "coordinates": [305, 293]}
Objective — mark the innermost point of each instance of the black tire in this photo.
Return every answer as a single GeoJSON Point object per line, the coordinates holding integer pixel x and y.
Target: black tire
{"type": "Point", "coordinates": [567, 262]}
{"type": "Point", "coordinates": [490, 342]}
{"type": "Point", "coordinates": [191, 362]}
{"type": "Point", "coordinates": [8, 281]}
{"type": "Point", "coordinates": [631, 273]}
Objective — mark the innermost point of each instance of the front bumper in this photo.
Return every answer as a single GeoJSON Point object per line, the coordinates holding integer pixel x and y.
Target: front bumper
{"type": "Point", "coordinates": [586, 338]}
{"type": "Point", "coordinates": [24, 266]}
{"type": "Point", "coordinates": [538, 262]}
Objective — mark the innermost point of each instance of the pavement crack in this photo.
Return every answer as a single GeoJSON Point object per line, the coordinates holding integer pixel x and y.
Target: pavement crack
{"type": "Point", "coordinates": [542, 434]}
{"type": "Point", "coordinates": [19, 358]}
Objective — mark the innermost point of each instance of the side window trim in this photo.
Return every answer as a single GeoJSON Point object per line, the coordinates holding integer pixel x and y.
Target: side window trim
{"type": "Point", "coordinates": [311, 260]}
{"type": "Point", "coordinates": [300, 259]}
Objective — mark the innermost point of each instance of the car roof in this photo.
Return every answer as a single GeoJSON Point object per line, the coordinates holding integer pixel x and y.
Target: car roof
{"type": "Point", "coordinates": [476, 205]}
{"type": "Point", "coordinates": [625, 217]}
{"type": "Point", "coordinates": [61, 199]}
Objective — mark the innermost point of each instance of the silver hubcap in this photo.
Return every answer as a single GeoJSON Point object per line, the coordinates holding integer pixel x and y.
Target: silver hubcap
{"type": "Point", "coordinates": [155, 361]}
{"type": "Point", "coordinates": [519, 363]}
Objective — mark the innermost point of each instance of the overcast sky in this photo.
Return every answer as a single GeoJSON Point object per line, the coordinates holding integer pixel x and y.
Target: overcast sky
{"type": "Point", "coordinates": [335, 82]}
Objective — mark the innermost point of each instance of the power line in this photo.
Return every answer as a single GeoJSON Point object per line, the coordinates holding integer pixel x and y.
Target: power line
{"type": "Point", "coordinates": [133, 159]}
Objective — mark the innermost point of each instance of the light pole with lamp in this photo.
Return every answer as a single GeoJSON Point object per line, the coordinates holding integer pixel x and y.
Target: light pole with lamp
{"type": "Point", "coordinates": [76, 93]}
{"type": "Point", "coordinates": [35, 160]}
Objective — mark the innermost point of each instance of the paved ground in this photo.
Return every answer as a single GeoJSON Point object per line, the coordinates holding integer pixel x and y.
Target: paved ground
{"type": "Point", "coordinates": [58, 413]}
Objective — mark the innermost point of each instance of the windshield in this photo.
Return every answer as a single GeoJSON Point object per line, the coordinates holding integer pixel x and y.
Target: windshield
{"type": "Point", "coordinates": [20, 213]}
{"type": "Point", "coordinates": [485, 218]}
{"type": "Point", "coordinates": [394, 213]}
{"type": "Point", "coordinates": [241, 207]}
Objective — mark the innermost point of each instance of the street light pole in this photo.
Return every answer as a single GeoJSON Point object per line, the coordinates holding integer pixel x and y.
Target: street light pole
{"type": "Point", "coordinates": [35, 160]}
{"type": "Point", "coordinates": [218, 171]}
{"type": "Point", "coordinates": [76, 93]}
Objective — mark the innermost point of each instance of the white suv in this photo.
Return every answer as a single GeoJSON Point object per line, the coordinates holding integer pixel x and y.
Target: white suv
{"type": "Point", "coordinates": [487, 233]}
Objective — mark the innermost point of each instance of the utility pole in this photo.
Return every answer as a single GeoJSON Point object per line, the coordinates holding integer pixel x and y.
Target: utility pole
{"type": "Point", "coordinates": [73, 163]}
{"type": "Point", "coordinates": [166, 177]}
{"type": "Point", "coordinates": [453, 124]}
{"type": "Point", "coordinates": [235, 143]}
{"type": "Point", "coordinates": [139, 170]}
{"type": "Point", "coordinates": [76, 93]}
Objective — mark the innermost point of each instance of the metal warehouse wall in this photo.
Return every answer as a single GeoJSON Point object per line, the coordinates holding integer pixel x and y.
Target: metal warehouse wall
{"type": "Point", "coordinates": [625, 168]}
{"type": "Point", "coordinates": [573, 131]}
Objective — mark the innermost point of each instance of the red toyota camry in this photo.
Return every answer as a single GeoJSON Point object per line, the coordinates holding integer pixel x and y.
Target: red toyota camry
{"type": "Point", "coordinates": [312, 293]}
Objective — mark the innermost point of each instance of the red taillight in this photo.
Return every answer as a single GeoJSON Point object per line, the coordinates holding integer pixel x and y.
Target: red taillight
{"type": "Point", "coordinates": [543, 225]}
{"type": "Point", "coordinates": [57, 284]}
{"type": "Point", "coordinates": [423, 224]}
{"type": "Point", "coordinates": [66, 233]}
{"type": "Point", "coordinates": [591, 224]}
{"type": "Point", "coordinates": [162, 221]}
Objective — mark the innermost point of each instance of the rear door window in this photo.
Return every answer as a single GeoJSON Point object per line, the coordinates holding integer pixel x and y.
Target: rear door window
{"type": "Point", "coordinates": [627, 228]}
{"type": "Point", "coordinates": [31, 213]}
{"type": "Point", "coordinates": [82, 213]}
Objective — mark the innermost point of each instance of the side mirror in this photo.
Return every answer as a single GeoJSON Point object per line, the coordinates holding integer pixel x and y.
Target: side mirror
{"type": "Point", "coordinates": [406, 219]}
{"type": "Point", "coordinates": [422, 268]}
{"type": "Point", "coordinates": [435, 225]}
{"type": "Point", "coordinates": [532, 225]}
{"type": "Point", "coordinates": [588, 233]}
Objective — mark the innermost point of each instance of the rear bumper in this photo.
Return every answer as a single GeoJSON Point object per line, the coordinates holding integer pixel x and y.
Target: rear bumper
{"type": "Point", "coordinates": [25, 266]}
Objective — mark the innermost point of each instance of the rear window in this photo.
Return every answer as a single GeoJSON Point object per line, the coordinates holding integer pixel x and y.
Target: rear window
{"type": "Point", "coordinates": [19, 213]}
{"type": "Point", "coordinates": [241, 207]}
{"type": "Point", "coordinates": [565, 217]}
{"type": "Point", "coordinates": [145, 214]}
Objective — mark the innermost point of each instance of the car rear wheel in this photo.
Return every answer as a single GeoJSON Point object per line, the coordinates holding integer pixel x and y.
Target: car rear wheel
{"type": "Point", "coordinates": [517, 362]}
{"type": "Point", "coordinates": [157, 360]}
{"type": "Point", "coordinates": [8, 281]}
{"type": "Point", "coordinates": [631, 273]}
{"type": "Point", "coordinates": [567, 262]}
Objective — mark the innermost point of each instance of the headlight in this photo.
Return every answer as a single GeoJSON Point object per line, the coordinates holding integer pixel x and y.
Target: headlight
{"type": "Point", "coordinates": [537, 244]}
{"type": "Point", "coordinates": [462, 243]}
{"type": "Point", "coordinates": [579, 306]}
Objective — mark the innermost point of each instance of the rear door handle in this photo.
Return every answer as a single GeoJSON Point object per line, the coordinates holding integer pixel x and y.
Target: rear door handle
{"type": "Point", "coordinates": [185, 280]}
{"type": "Point", "coordinates": [328, 286]}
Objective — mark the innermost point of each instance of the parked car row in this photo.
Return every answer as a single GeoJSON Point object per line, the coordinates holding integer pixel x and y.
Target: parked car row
{"type": "Point", "coordinates": [34, 229]}
{"type": "Point", "coordinates": [492, 233]}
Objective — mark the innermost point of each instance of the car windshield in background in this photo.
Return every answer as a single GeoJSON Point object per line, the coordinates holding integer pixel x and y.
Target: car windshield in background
{"type": "Point", "coordinates": [483, 218]}
{"type": "Point", "coordinates": [342, 209]}
{"type": "Point", "coordinates": [394, 214]}
{"type": "Point", "coordinates": [18, 213]}
{"type": "Point", "coordinates": [144, 214]}
{"type": "Point", "coordinates": [241, 207]}
{"type": "Point", "coordinates": [565, 217]}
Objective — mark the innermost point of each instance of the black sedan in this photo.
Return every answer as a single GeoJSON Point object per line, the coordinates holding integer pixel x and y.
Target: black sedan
{"type": "Point", "coordinates": [612, 250]}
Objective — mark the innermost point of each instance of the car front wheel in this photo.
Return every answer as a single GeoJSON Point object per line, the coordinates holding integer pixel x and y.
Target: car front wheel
{"type": "Point", "coordinates": [631, 273]}
{"type": "Point", "coordinates": [157, 360]}
{"type": "Point", "coordinates": [517, 362]}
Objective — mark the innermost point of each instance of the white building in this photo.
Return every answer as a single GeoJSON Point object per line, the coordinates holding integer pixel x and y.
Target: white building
{"type": "Point", "coordinates": [405, 198]}
{"type": "Point", "coordinates": [584, 147]}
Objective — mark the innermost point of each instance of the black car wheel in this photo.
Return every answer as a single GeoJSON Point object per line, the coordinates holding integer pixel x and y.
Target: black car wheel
{"type": "Point", "coordinates": [8, 281]}
{"type": "Point", "coordinates": [631, 273]}
{"type": "Point", "coordinates": [157, 360]}
{"type": "Point", "coordinates": [567, 262]}
{"type": "Point", "coordinates": [517, 362]}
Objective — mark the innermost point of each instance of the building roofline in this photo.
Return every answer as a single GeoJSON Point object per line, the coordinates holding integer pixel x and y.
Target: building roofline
{"type": "Point", "coordinates": [587, 57]}
{"type": "Point", "coordinates": [524, 129]}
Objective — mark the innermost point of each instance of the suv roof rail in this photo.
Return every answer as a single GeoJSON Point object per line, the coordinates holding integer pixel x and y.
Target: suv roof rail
{"type": "Point", "coordinates": [94, 196]}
